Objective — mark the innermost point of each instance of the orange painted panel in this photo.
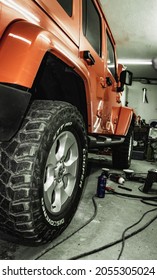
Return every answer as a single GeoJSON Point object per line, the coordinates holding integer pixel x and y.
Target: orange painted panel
{"type": "Point", "coordinates": [70, 25]}
{"type": "Point", "coordinates": [124, 120]}
{"type": "Point", "coordinates": [30, 30]}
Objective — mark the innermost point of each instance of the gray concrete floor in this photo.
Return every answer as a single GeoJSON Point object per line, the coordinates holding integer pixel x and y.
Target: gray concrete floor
{"type": "Point", "coordinates": [114, 215]}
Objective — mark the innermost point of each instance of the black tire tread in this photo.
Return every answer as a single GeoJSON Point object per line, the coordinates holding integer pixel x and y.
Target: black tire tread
{"type": "Point", "coordinates": [19, 198]}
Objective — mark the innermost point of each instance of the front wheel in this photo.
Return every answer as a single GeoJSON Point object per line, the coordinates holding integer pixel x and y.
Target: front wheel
{"type": "Point", "coordinates": [122, 154]}
{"type": "Point", "coordinates": [48, 160]}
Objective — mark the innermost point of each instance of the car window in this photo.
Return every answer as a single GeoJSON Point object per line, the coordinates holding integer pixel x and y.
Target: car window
{"type": "Point", "coordinates": [67, 6]}
{"type": "Point", "coordinates": [111, 57]}
{"type": "Point", "coordinates": [92, 25]}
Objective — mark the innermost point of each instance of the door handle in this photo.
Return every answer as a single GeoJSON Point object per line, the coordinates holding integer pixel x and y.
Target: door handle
{"type": "Point", "coordinates": [108, 81]}
{"type": "Point", "coordinates": [88, 57]}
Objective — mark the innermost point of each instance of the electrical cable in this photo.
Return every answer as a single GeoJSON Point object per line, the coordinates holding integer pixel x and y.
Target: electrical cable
{"type": "Point", "coordinates": [66, 238]}
{"type": "Point", "coordinates": [123, 235]}
{"type": "Point", "coordinates": [115, 242]}
{"type": "Point", "coordinates": [143, 201]}
{"type": "Point", "coordinates": [148, 203]}
{"type": "Point", "coordinates": [134, 196]}
{"type": "Point", "coordinates": [92, 217]}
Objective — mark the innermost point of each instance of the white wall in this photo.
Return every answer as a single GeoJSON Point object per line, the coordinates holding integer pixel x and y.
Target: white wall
{"type": "Point", "coordinates": [123, 96]}
{"type": "Point", "coordinates": [134, 96]}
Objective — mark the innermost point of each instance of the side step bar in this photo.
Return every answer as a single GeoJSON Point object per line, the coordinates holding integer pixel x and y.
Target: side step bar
{"type": "Point", "coordinates": [103, 141]}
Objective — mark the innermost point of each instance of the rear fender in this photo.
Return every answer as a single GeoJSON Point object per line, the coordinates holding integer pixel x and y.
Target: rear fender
{"type": "Point", "coordinates": [126, 116]}
{"type": "Point", "coordinates": [22, 48]}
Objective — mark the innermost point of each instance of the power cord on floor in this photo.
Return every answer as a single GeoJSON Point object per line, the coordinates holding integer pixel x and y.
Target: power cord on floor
{"type": "Point", "coordinates": [92, 218]}
{"type": "Point", "coordinates": [115, 242]}
{"type": "Point", "coordinates": [123, 235]}
{"type": "Point", "coordinates": [144, 201]}
{"type": "Point", "coordinates": [148, 203]}
{"type": "Point", "coordinates": [134, 195]}
{"type": "Point", "coordinates": [66, 238]}
{"type": "Point", "coordinates": [128, 236]}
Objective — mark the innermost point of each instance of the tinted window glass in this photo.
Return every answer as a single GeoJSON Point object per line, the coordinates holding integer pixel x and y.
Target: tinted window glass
{"type": "Point", "coordinates": [67, 6]}
{"type": "Point", "coordinates": [92, 25]}
{"type": "Point", "coordinates": [111, 57]}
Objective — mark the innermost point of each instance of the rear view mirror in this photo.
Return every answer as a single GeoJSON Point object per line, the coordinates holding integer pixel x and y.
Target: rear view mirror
{"type": "Point", "coordinates": [126, 77]}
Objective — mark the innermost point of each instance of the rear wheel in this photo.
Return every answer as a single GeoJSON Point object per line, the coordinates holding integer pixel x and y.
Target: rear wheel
{"type": "Point", "coordinates": [43, 172]}
{"type": "Point", "coordinates": [121, 154]}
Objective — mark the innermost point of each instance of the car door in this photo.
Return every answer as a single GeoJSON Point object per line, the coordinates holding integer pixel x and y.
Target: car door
{"type": "Point", "coordinates": [91, 41]}
{"type": "Point", "coordinates": [112, 98]}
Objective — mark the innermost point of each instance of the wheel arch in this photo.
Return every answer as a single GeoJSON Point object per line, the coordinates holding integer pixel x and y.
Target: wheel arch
{"type": "Point", "coordinates": [56, 80]}
{"type": "Point", "coordinates": [24, 47]}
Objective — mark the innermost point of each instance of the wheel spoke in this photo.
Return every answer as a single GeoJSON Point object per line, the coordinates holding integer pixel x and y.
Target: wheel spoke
{"type": "Point", "coordinates": [49, 184]}
{"type": "Point", "coordinates": [49, 177]}
{"type": "Point", "coordinates": [60, 197]}
{"type": "Point", "coordinates": [65, 144]}
{"type": "Point", "coordinates": [48, 196]}
{"type": "Point", "coordinates": [52, 159]}
{"type": "Point", "coordinates": [69, 186]}
{"type": "Point", "coordinates": [71, 166]}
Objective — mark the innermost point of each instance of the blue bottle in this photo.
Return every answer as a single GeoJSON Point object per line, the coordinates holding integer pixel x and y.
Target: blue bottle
{"type": "Point", "coordinates": [101, 185]}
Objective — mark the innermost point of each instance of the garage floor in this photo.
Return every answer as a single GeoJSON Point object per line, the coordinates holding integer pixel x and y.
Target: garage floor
{"type": "Point", "coordinates": [114, 214]}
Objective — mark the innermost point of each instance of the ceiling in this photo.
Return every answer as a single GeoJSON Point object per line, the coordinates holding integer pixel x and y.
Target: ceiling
{"type": "Point", "coordinates": [134, 27]}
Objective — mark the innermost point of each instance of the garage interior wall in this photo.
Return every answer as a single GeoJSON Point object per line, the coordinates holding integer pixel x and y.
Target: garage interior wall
{"type": "Point", "coordinates": [124, 95]}
{"type": "Point", "coordinates": [134, 96]}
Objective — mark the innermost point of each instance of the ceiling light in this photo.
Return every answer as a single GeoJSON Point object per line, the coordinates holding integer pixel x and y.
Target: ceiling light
{"type": "Point", "coordinates": [135, 62]}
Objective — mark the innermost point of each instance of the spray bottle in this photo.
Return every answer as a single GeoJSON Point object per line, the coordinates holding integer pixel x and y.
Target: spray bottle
{"type": "Point", "coordinates": [101, 184]}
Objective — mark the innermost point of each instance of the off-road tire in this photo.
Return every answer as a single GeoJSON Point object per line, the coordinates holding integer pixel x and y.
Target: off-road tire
{"type": "Point", "coordinates": [36, 204]}
{"type": "Point", "coordinates": [122, 154]}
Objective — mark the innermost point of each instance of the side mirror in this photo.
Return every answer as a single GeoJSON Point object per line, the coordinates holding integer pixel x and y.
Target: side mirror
{"type": "Point", "coordinates": [126, 78]}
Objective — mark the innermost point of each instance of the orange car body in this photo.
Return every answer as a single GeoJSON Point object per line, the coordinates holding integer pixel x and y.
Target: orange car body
{"type": "Point", "coordinates": [30, 29]}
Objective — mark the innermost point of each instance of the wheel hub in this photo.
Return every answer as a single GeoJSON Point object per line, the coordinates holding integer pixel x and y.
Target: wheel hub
{"type": "Point", "coordinates": [61, 172]}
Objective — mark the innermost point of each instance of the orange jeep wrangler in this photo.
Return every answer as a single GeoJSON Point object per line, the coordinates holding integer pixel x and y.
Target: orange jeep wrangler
{"type": "Point", "coordinates": [60, 90]}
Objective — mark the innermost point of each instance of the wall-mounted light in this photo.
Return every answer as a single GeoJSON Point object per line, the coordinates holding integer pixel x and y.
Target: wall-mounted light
{"type": "Point", "coordinates": [145, 99]}
{"type": "Point", "coordinates": [154, 63]}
